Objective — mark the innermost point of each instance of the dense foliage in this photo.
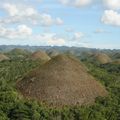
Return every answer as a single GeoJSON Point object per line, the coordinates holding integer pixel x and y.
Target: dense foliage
{"type": "Point", "coordinates": [14, 107]}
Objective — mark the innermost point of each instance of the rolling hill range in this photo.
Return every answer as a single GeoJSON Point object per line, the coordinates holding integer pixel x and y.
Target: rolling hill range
{"type": "Point", "coordinates": [70, 89]}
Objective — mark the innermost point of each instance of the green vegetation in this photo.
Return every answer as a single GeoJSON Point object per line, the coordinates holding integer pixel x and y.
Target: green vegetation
{"type": "Point", "coordinates": [14, 107]}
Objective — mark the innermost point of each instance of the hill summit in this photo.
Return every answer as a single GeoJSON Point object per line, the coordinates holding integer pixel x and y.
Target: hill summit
{"type": "Point", "coordinates": [61, 81]}
{"type": "Point", "coordinates": [18, 51]}
{"type": "Point", "coordinates": [40, 55]}
{"type": "Point", "coordinates": [102, 58]}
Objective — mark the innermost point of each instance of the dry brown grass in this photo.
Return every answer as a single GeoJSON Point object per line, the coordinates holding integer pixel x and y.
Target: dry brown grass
{"type": "Point", "coordinates": [117, 61]}
{"type": "Point", "coordinates": [61, 81]}
{"type": "Point", "coordinates": [3, 57]}
{"type": "Point", "coordinates": [102, 58]}
{"type": "Point", "coordinates": [40, 55]}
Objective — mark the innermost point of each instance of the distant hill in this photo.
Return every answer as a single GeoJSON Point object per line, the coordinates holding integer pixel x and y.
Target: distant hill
{"type": "Point", "coordinates": [101, 58]}
{"type": "Point", "coordinates": [52, 52]}
{"type": "Point", "coordinates": [117, 61]}
{"type": "Point", "coordinates": [6, 48]}
{"type": "Point", "coordinates": [3, 57]}
{"type": "Point", "coordinates": [40, 55]}
{"type": "Point", "coordinates": [19, 53]}
{"type": "Point", "coordinates": [61, 81]}
{"type": "Point", "coordinates": [116, 55]}
{"type": "Point", "coordinates": [77, 51]}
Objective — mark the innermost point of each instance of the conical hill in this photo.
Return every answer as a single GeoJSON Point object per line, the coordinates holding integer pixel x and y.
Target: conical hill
{"type": "Point", "coordinates": [3, 57]}
{"type": "Point", "coordinates": [61, 81]}
{"type": "Point", "coordinates": [102, 58]}
{"type": "Point", "coordinates": [40, 55]}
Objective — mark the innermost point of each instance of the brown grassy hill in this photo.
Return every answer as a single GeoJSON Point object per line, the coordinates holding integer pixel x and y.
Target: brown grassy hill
{"type": "Point", "coordinates": [61, 81]}
{"type": "Point", "coordinates": [52, 53]}
{"type": "Point", "coordinates": [3, 57]}
{"type": "Point", "coordinates": [117, 61]}
{"type": "Point", "coordinates": [40, 55]}
{"type": "Point", "coordinates": [102, 58]}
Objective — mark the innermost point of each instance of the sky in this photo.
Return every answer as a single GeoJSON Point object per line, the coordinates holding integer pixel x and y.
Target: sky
{"type": "Point", "coordinates": [81, 23]}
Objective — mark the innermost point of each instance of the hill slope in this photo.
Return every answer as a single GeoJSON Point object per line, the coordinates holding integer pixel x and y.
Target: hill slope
{"type": "Point", "coordinates": [102, 58]}
{"type": "Point", "coordinates": [61, 81]}
{"type": "Point", "coordinates": [3, 57]}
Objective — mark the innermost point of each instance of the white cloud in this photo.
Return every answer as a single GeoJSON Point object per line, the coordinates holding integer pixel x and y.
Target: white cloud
{"type": "Point", "coordinates": [54, 39]}
{"type": "Point", "coordinates": [50, 39]}
{"type": "Point", "coordinates": [75, 39]}
{"type": "Point", "coordinates": [69, 30]}
{"type": "Point", "coordinates": [46, 20]}
{"type": "Point", "coordinates": [23, 29]}
{"type": "Point", "coordinates": [76, 3]}
{"type": "Point", "coordinates": [65, 2]}
{"type": "Point", "coordinates": [111, 17]}
{"type": "Point", "coordinates": [11, 9]}
{"type": "Point", "coordinates": [79, 3]}
{"type": "Point", "coordinates": [57, 41]}
{"type": "Point", "coordinates": [78, 35]}
{"type": "Point", "coordinates": [112, 4]}
{"type": "Point", "coordinates": [21, 32]}
{"type": "Point", "coordinates": [28, 15]}
{"type": "Point", "coordinates": [22, 1]}
{"type": "Point", "coordinates": [97, 31]}
{"type": "Point", "coordinates": [19, 10]}
{"type": "Point", "coordinates": [59, 21]}
{"type": "Point", "coordinates": [2, 31]}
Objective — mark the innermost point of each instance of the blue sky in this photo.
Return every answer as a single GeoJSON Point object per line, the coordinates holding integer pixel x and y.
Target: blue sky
{"type": "Point", "coordinates": [82, 23]}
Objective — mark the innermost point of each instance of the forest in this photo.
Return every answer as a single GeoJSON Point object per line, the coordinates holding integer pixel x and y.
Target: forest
{"type": "Point", "coordinates": [15, 107]}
